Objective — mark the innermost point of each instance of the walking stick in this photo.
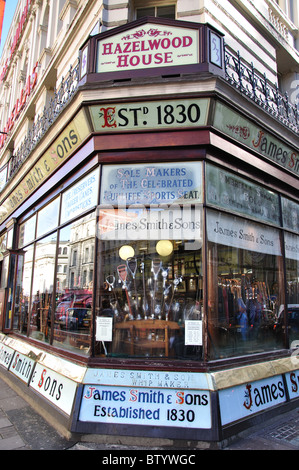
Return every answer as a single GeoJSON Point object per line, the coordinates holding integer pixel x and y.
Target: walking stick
{"type": "Point", "coordinates": [176, 282]}
{"type": "Point", "coordinates": [132, 267]}
{"type": "Point", "coordinates": [111, 281]}
{"type": "Point", "coordinates": [145, 304]}
{"type": "Point", "coordinates": [122, 272]}
{"type": "Point", "coordinates": [156, 267]}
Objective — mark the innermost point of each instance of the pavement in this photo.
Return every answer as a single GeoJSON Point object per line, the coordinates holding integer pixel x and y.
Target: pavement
{"type": "Point", "coordinates": [21, 428]}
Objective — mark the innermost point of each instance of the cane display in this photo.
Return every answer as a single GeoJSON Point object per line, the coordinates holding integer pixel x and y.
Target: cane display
{"type": "Point", "coordinates": [149, 293]}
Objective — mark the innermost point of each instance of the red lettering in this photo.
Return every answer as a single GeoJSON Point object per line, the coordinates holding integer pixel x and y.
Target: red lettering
{"type": "Point", "coordinates": [134, 60]}
{"type": "Point", "coordinates": [292, 161]}
{"type": "Point", "coordinates": [109, 117]}
{"type": "Point", "coordinates": [180, 399]}
{"type": "Point", "coordinates": [107, 48]}
{"type": "Point", "coordinates": [136, 46]}
{"type": "Point", "coordinates": [176, 42]}
{"type": "Point", "coordinates": [294, 383]}
{"type": "Point", "coordinates": [165, 43]}
{"type": "Point", "coordinates": [127, 47]}
{"type": "Point", "coordinates": [117, 49]}
{"type": "Point", "coordinates": [123, 60]}
{"type": "Point", "coordinates": [154, 44]}
{"type": "Point", "coordinates": [158, 58]}
{"type": "Point", "coordinates": [187, 41]}
{"type": "Point", "coordinates": [143, 48]}
{"type": "Point", "coordinates": [258, 143]}
{"type": "Point", "coordinates": [41, 381]}
{"type": "Point", "coordinates": [168, 57]}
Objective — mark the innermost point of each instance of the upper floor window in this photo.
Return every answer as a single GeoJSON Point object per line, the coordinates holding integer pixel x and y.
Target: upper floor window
{"type": "Point", "coordinates": [159, 11]}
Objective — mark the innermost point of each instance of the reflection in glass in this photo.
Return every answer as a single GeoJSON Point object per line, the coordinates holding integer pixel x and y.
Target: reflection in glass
{"type": "Point", "coordinates": [47, 218]}
{"type": "Point", "coordinates": [4, 272]}
{"type": "Point", "coordinates": [245, 288]}
{"type": "Point", "coordinates": [74, 285]}
{"type": "Point", "coordinates": [27, 231]}
{"type": "Point", "coordinates": [42, 289]}
{"type": "Point", "coordinates": [22, 296]}
{"type": "Point", "coordinates": [10, 290]}
{"type": "Point", "coordinates": [292, 274]}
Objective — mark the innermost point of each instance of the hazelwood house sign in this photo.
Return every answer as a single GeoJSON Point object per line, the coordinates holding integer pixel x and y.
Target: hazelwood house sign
{"type": "Point", "coordinates": [148, 46]}
{"type": "Point", "coordinates": [152, 44]}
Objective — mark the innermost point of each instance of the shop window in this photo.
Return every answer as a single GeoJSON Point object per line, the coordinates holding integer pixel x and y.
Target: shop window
{"type": "Point", "coordinates": [42, 290]}
{"type": "Point", "coordinates": [10, 290]}
{"type": "Point", "coordinates": [9, 239]}
{"type": "Point", "coordinates": [150, 289]}
{"type": "Point", "coordinates": [149, 280]}
{"type": "Point", "coordinates": [73, 305]}
{"type": "Point", "coordinates": [292, 274]}
{"type": "Point", "coordinates": [245, 286]}
{"type": "Point", "coordinates": [22, 291]}
{"type": "Point", "coordinates": [4, 272]}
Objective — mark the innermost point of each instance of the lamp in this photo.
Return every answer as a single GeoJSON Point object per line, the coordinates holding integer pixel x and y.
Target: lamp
{"type": "Point", "coordinates": [164, 247]}
{"type": "Point", "coordinates": [126, 251]}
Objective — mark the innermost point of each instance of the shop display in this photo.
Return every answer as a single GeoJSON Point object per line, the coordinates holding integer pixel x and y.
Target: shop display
{"type": "Point", "coordinates": [153, 300]}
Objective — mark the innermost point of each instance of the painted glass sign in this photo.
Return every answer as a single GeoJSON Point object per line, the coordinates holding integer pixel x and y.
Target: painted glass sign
{"type": "Point", "coordinates": [239, 233]}
{"type": "Point", "coordinates": [177, 223]}
{"type": "Point", "coordinates": [149, 378]}
{"type": "Point", "coordinates": [159, 183]}
{"type": "Point", "coordinates": [291, 245]}
{"type": "Point", "coordinates": [229, 191]}
{"type": "Point", "coordinates": [150, 115]}
{"type": "Point", "coordinates": [290, 214]}
{"type": "Point", "coordinates": [146, 406]}
{"type": "Point", "coordinates": [245, 400]}
{"type": "Point", "coordinates": [148, 46]}
{"type": "Point", "coordinates": [80, 197]}
{"type": "Point", "coordinates": [241, 129]}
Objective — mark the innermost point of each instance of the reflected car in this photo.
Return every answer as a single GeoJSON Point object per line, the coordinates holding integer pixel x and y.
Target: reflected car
{"type": "Point", "coordinates": [293, 319]}
{"type": "Point", "coordinates": [76, 318]}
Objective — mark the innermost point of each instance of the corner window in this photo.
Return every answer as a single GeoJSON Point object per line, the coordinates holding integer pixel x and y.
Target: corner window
{"type": "Point", "coordinates": [149, 291]}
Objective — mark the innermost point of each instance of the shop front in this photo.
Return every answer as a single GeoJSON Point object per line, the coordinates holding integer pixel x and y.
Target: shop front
{"type": "Point", "coordinates": [151, 258]}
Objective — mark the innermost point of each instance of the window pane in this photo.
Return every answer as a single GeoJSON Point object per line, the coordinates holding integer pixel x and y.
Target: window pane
{"type": "Point", "coordinates": [4, 272]}
{"type": "Point", "coordinates": [166, 12]}
{"type": "Point", "coordinates": [74, 285]}
{"type": "Point", "coordinates": [245, 286]}
{"type": "Point", "coordinates": [292, 273]}
{"type": "Point", "coordinates": [42, 290]}
{"type": "Point", "coordinates": [47, 218]}
{"type": "Point", "coordinates": [140, 12]}
{"type": "Point", "coordinates": [149, 291]}
{"type": "Point", "coordinates": [27, 231]}
{"type": "Point", "coordinates": [23, 284]}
